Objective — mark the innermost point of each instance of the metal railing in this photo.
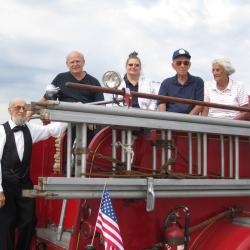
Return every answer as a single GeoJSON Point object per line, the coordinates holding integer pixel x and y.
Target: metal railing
{"type": "Point", "coordinates": [197, 128]}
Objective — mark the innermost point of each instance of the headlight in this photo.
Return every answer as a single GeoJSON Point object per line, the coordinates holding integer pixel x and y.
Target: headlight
{"type": "Point", "coordinates": [111, 79]}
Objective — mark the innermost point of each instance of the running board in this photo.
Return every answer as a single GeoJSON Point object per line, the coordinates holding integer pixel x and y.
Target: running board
{"type": "Point", "coordinates": [50, 235]}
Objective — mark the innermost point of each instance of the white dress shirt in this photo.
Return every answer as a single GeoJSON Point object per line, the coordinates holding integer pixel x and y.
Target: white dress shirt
{"type": "Point", "coordinates": [38, 133]}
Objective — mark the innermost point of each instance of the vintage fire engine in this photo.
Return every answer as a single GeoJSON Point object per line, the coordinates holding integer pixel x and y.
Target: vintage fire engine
{"type": "Point", "coordinates": [176, 181]}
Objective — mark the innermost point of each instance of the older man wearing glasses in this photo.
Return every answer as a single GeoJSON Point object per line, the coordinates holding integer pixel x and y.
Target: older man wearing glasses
{"type": "Point", "coordinates": [16, 139]}
{"type": "Point", "coordinates": [182, 85]}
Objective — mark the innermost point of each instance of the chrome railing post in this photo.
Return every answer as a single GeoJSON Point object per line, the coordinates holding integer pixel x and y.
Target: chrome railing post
{"type": "Point", "coordinates": [169, 138]}
{"type": "Point", "coordinates": [114, 147]}
{"type": "Point", "coordinates": [163, 147]}
{"type": "Point", "coordinates": [222, 155]}
{"type": "Point", "coordinates": [190, 153]}
{"type": "Point", "coordinates": [123, 139]}
{"type": "Point", "coordinates": [129, 149]}
{"type": "Point", "coordinates": [236, 140]}
{"type": "Point", "coordinates": [230, 156]}
{"type": "Point", "coordinates": [69, 150]}
{"type": "Point", "coordinates": [198, 153]}
{"type": "Point", "coordinates": [205, 154]}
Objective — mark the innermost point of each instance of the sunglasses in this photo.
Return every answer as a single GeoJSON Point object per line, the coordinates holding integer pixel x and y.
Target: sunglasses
{"type": "Point", "coordinates": [18, 107]}
{"type": "Point", "coordinates": [134, 64]}
{"type": "Point", "coordinates": [179, 63]}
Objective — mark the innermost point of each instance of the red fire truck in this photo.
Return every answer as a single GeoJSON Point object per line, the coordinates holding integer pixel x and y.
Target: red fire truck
{"type": "Point", "coordinates": [176, 181]}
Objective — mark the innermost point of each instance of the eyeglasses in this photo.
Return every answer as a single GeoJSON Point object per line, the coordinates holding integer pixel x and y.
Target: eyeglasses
{"type": "Point", "coordinates": [18, 107]}
{"type": "Point", "coordinates": [179, 63]}
{"type": "Point", "coordinates": [134, 64]}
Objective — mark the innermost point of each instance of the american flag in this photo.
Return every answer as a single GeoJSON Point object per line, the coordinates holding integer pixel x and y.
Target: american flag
{"type": "Point", "coordinates": [106, 224]}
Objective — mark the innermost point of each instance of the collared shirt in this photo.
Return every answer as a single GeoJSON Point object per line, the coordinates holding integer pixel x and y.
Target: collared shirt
{"type": "Point", "coordinates": [144, 86]}
{"type": "Point", "coordinates": [67, 94]}
{"type": "Point", "coordinates": [234, 94]}
{"type": "Point", "coordinates": [192, 89]}
{"type": "Point", "coordinates": [38, 133]}
{"type": "Point", "coordinates": [132, 87]}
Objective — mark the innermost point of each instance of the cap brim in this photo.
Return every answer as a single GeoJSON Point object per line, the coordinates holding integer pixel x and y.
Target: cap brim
{"type": "Point", "coordinates": [187, 56]}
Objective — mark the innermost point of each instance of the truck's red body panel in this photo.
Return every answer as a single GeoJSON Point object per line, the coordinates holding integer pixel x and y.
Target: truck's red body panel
{"type": "Point", "coordinates": [141, 229]}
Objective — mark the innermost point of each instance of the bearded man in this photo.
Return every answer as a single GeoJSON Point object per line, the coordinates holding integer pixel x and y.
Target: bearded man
{"type": "Point", "coordinates": [16, 139]}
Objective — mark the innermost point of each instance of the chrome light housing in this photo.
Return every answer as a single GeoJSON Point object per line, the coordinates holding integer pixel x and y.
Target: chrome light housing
{"type": "Point", "coordinates": [111, 79]}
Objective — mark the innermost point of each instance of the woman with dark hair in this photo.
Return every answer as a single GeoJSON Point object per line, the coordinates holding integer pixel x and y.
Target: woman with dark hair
{"type": "Point", "coordinates": [134, 80]}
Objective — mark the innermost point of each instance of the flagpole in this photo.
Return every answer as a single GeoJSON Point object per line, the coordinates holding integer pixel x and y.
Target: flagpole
{"type": "Point", "coordinates": [97, 214]}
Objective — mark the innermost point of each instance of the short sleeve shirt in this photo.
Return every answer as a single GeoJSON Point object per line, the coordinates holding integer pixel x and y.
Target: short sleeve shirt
{"type": "Point", "coordinates": [192, 89]}
{"type": "Point", "coordinates": [234, 94]}
{"type": "Point", "coordinates": [67, 94]}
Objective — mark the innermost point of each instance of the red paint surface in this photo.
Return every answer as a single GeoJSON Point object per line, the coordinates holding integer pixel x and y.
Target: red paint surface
{"type": "Point", "coordinates": [141, 229]}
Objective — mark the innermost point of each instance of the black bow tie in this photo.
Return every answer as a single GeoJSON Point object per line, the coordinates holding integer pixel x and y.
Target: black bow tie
{"type": "Point", "coordinates": [18, 128]}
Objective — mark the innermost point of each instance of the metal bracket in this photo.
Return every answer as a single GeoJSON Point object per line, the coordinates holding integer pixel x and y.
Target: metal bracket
{"type": "Point", "coordinates": [80, 150]}
{"type": "Point", "coordinates": [150, 195]}
{"type": "Point", "coordinates": [127, 97]}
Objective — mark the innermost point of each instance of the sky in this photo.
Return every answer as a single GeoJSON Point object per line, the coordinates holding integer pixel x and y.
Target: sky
{"type": "Point", "coordinates": [37, 35]}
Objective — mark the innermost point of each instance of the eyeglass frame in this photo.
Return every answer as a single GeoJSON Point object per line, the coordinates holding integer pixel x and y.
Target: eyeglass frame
{"type": "Point", "coordinates": [18, 108]}
{"type": "Point", "coordinates": [137, 65]}
{"type": "Point", "coordinates": [182, 62]}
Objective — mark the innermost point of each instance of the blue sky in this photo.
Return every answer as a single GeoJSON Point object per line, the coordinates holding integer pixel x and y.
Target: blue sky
{"type": "Point", "coordinates": [36, 36]}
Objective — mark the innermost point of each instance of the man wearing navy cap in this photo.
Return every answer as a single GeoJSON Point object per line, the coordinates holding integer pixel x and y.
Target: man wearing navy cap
{"type": "Point", "coordinates": [182, 85]}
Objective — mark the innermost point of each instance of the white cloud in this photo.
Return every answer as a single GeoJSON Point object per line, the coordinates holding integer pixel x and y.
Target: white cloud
{"type": "Point", "coordinates": [36, 35]}
{"type": "Point", "coordinates": [179, 15]}
{"type": "Point", "coordinates": [4, 112]}
{"type": "Point", "coordinates": [217, 15]}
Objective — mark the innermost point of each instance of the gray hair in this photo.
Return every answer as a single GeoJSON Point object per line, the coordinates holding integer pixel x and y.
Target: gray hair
{"type": "Point", "coordinates": [13, 101]}
{"type": "Point", "coordinates": [226, 64]}
{"type": "Point", "coordinates": [73, 53]}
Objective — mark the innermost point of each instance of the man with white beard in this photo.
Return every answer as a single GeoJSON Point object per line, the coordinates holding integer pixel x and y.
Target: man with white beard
{"type": "Point", "coordinates": [16, 139]}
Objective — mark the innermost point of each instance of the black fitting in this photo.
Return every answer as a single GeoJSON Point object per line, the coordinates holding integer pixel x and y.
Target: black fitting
{"type": "Point", "coordinates": [90, 247]}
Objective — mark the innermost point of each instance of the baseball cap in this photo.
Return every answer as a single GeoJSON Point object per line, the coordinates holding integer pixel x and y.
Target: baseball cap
{"type": "Point", "coordinates": [181, 52]}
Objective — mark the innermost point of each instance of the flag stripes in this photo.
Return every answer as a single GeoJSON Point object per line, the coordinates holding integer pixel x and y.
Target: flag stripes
{"type": "Point", "coordinates": [107, 225]}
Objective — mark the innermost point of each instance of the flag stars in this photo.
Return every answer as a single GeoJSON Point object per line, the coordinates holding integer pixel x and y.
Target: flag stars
{"type": "Point", "coordinates": [107, 224]}
{"type": "Point", "coordinates": [107, 207]}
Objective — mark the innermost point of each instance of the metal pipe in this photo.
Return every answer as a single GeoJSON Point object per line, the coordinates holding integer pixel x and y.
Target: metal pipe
{"type": "Point", "coordinates": [170, 116]}
{"type": "Point", "coordinates": [122, 184]}
{"type": "Point", "coordinates": [222, 155]}
{"type": "Point", "coordinates": [84, 147]}
{"type": "Point", "coordinates": [61, 221]}
{"type": "Point", "coordinates": [106, 102]}
{"type": "Point", "coordinates": [236, 140]}
{"type": "Point", "coordinates": [129, 149]}
{"type": "Point", "coordinates": [114, 147]}
{"type": "Point", "coordinates": [69, 150]}
{"type": "Point", "coordinates": [199, 153]}
{"type": "Point", "coordinates": [170, 99]}
{"type": "Point", "coordinates": [169, 138]}
{"type": "Point", "coordinates": [77, 147]}
{"type": "Point", "coordinates": [154, 157]}
{"type": "Point", "coordinates": [204, 154]}
{"type": "Point", "coordinates": [123, 156]}
{"type": "Point", "coordinates": [230, 156]}
{"type": "Point", "coordinates": [163, 147]}
{"type": "Point", "coordinates": [142, 194]}
{"type": "Point", "coordinates": [126, 120]}
{"type": "Point", "coordinates": [190, 153]}
{"type": "Point", "coordinates": [68, 174]}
